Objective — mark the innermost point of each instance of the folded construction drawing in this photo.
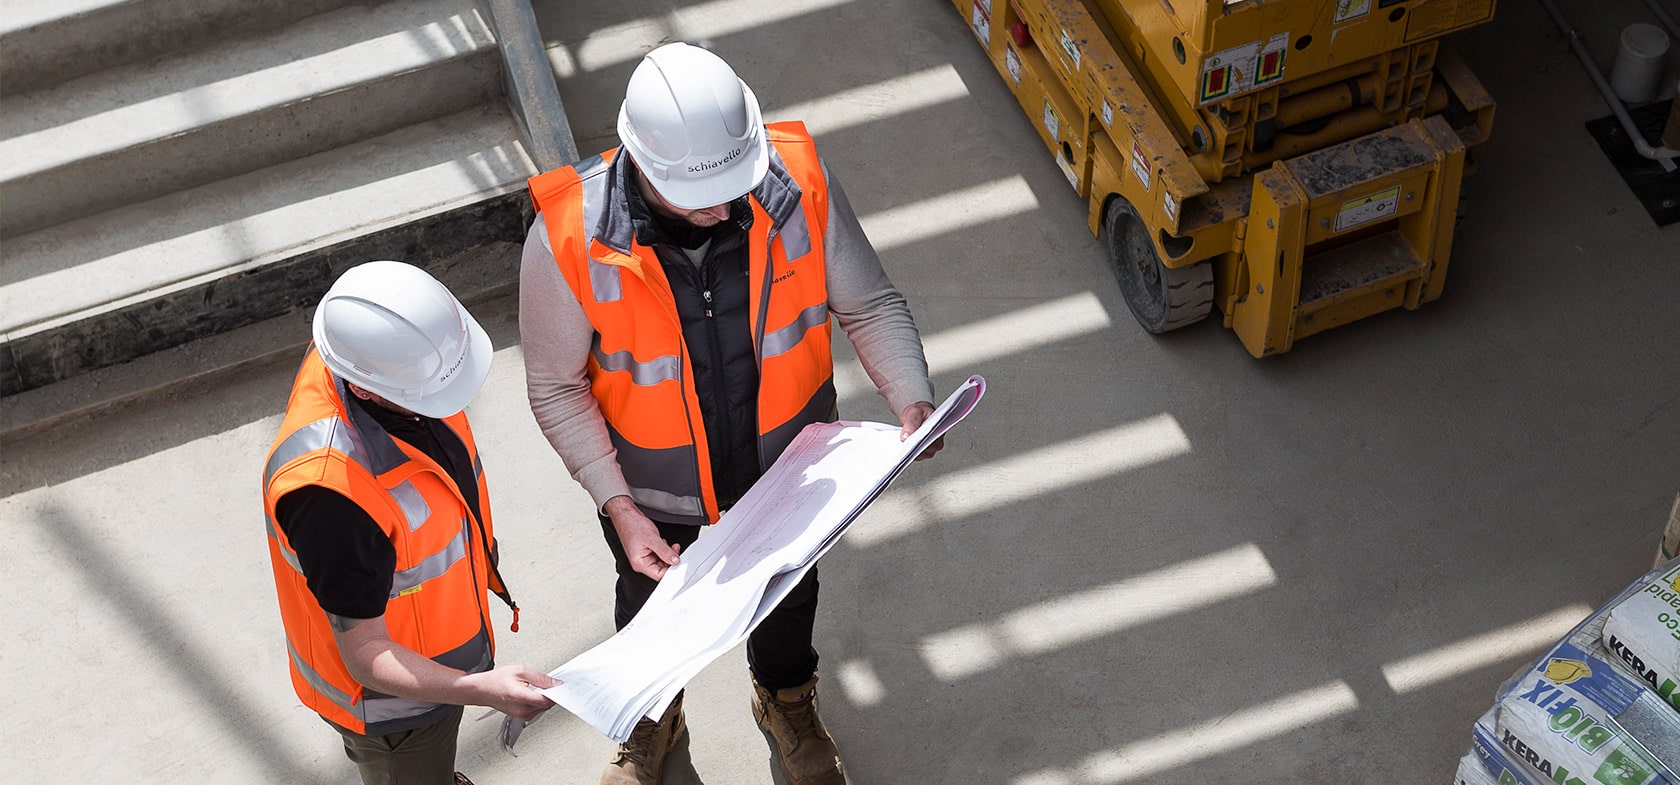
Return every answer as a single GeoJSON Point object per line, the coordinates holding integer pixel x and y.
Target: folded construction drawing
{"type": "Point", "coordinates": [731, 577]}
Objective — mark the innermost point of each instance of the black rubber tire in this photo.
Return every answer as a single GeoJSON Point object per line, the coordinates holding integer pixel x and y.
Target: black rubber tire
{"type": "Point", "coordinates": [1162, 298]}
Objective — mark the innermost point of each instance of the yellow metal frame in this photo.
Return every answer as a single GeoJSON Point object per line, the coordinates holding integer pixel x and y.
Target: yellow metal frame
{"type": "Point", "coordinates": [1288, 261]}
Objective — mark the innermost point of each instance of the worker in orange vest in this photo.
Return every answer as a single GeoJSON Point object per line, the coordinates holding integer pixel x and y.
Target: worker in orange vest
{"type": "Point", "coordinates": [379, 528]}
{"type": "Point", "coordinates": [676, 299]}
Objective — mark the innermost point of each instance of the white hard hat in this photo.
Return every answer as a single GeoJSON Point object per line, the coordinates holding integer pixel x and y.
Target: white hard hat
{"type": "Point", "coordinates": [392, 329]}
{"type": "Point", "coordinates": [693, 127]}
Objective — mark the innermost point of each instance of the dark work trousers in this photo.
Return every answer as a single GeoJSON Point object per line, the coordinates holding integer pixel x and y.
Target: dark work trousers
{"type": "Point", "coordinates": [423, 756]}
{"type": "Point", "coordinates": [779, 651]}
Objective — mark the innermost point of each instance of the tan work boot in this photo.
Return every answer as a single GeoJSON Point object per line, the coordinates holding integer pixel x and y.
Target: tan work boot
{"type": "Point", "coordinates": [640, 760]}
{"type": "Point", "coordinates": [789, 718]}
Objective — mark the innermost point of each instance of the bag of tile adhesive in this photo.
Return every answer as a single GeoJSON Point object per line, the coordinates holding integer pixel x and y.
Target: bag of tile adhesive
{"type": "Point", "coordinates": [1642, 633]}
{"type": "Point", "coordinates": [1576, 720]}
{"type": "Point", "coordinates": [1487, 763]}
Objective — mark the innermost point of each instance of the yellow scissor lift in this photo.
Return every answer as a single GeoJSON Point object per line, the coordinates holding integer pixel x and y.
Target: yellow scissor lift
{"type": "Point", "coordinates": [1294, 162]}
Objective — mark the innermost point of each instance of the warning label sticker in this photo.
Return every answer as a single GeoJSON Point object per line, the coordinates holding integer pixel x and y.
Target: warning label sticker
{"type": "Point", "coordinates": [1349, 10]}
{"type": "Point", "coordinates": [1365, 209]}
{"type": "Point", "coordinates": [1242, 68]}
{"type": "Point", "coordinates": [1169, 205]}
{"type": "Point", "coordinates": [1063, 164]}
{"type": "Point", "coordinates": [986, 5]}
{"type": "Point", "coordinates": [1140, 164]}
{"type": "Point", "coordinates": [1012, 61]}
{"type": "Point", "coordinates": [1435, 17]}
{"type": "Point", "coordinates": [1052, 123]}
{"type": "Point", "coordinates": [982, 22]}
{"type": "Point", "coordinates": [1071, 49]}
{"type": "Point", "coordinates": [1107, 113]}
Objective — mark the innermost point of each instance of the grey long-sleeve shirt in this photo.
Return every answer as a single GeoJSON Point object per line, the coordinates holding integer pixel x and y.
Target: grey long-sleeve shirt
{"type": "Point", "coordinates": [557, 336]}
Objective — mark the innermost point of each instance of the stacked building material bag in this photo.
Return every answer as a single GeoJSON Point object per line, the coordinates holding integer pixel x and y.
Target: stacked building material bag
{"type": "Point", "coordinates": [1488, 763]}
{"type": "Point", "coordinates": [1598, 708]}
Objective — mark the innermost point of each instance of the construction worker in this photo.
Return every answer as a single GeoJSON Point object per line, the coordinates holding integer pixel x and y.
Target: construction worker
{"type": "Point", "coordinates": [675, 306]}
{"type": "Point", "coordinates": [379, 528]}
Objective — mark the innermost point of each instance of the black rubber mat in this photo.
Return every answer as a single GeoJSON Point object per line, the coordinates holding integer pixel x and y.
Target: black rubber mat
{"type": "Point", "coordinates": [1656, 189]}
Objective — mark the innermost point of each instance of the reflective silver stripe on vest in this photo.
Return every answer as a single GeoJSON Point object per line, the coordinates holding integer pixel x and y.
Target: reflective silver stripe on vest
{"type": "Point", "coordinates": [604, 279]}
{"type": "Point", "coordinates": [785, 338]}
{"type": "Point", "coordinates": [412, 503]}
{"type": "Point", "coordinates": [667, 368]}
{"type": "Point", "coordinates": [604, 282]}
{"type": "Point", "coordinates": [322, 434]}
{"type": "Point", "coordinates": [320, 684]}
{"type": "Point", "coordinates": [796, 235]}
{"type": "Point", "coordinates": [478, 466]}
{"type": "Point", "coordinates": [285, 552]}
{"type": "Point", "coordinates": [432, 566]}
{"type": "Point", "coordinates": [668, 502]}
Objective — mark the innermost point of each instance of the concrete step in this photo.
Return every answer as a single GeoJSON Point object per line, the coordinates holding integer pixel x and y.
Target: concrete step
{"type": "Point", "coordinates": [481, 274]}
{"type": "Point", "coordinates": [51, 41]}
{"type": "Point", "coordinates": [137, 132]}
{"type": "Point", "coordinates": [111, 287]}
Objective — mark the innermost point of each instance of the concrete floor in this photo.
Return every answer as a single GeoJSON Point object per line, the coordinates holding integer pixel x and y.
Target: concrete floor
{"type": "Point", "coordinates": [1143, 560]}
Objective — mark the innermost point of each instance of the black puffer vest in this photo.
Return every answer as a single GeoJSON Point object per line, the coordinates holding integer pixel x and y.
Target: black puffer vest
{"type": "Point", "coordinates": [712, 301]}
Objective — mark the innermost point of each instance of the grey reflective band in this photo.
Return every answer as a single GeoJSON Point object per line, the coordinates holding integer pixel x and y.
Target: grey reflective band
{"type": "Point", "coordinates": [320, 684]}
{"type": "Point", "coordinates": [432, 566]}
{"type": "Point", "coordinates": [604, 279]}
{"type": "Point", "coordinates": [665, 481]}
{"type": "Point", "coordinates": [590, 167]}
{"type": "Point", "coordinates": [668, 502]}
{"type": "Point", "coordinates": [796, 235]}
{"type": "Point", "coordinates": [285, 552]}
{"type": "Point", "coordinates": [478, 466]}
{"type": "Point", "coordinates": [412, 503]}
{"type": "Point", "coordinates": [820, 408]}
{"type": "Point", "coordinates": [330, 433]}
{"type": "Point", "coordinates": [667, 368]}
{"type": "Point", "coordinates": [604, 282]}
{"type": "Point", "coordinates": [786, 338]}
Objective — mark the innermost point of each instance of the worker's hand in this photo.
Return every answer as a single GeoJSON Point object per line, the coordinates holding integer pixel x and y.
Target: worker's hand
{"type": "Point", "coordinates": [648, 552]}
{"type": "Point", "coordinates": [912, 417]}
{"type": "Point", "coordinates": [512, 690]}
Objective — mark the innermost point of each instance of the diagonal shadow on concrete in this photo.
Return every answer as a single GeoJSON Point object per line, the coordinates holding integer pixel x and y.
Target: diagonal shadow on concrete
{"type": "Point", "coordinates": [106, 579]}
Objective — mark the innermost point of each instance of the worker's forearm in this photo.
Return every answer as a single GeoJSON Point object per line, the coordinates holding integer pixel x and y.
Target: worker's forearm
{"type": "Point", "coordinates": [379, 663]}
{"type": "Point", "coordinates": [387, 667]}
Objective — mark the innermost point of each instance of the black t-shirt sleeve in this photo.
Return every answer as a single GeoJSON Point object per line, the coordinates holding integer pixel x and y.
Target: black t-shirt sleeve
{"type": "Point", "coordinates": [347, 561]}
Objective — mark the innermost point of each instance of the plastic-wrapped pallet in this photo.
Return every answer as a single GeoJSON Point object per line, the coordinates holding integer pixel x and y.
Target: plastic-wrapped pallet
{"type": "Point", "coordinates": [1642, 632]}
{"type": "Point", "coordinates": [1577, 720]}
{"type": "Point", "coordinates": [1487, 763]}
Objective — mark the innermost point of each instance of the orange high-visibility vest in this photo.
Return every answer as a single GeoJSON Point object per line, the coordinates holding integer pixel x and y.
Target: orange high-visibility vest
{"type": "Point", "coordinates": [639, 367]}
{"type": "Point", "coordinates": [437, 604]}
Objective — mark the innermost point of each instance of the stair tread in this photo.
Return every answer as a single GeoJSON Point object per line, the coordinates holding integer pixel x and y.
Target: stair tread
{"type": "Point", "coordinates": [1371, 263]}
{"type": "Point", "coordinates": [18, 15]}
{"type": "Point", "coordinates": [54, 275]}
{"type": "Point", "coordinates": [129, 106]}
